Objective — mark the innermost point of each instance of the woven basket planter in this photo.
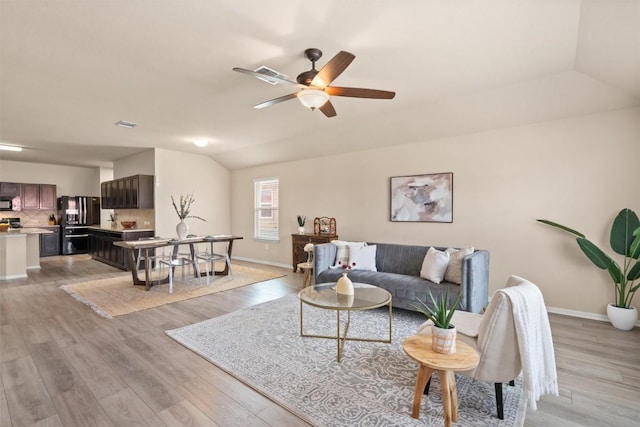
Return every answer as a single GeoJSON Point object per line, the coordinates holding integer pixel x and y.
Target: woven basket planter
{"type": "Point", "coordinates": [443, 340]}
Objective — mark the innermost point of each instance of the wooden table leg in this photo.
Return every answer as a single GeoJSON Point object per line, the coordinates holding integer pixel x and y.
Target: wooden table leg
{"type": "Point", "coordinates": [307, 278]}
{"type": "Point", "coordinates": [424, 373]}
{"type": "Point", "coordinates": [446, 396]}
{"type": "Point", "coordinates": [454, 396]}
{"type": "Point", "coordinates": [225, 271]}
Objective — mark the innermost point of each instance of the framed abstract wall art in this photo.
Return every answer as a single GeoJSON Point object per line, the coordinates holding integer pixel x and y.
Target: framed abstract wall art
{"type": "Point", "coordinates": [422, 198]}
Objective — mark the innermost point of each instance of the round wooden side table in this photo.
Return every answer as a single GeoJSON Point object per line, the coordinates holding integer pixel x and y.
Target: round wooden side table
{"type": "Point", "coordinates": [307, 267]}
{"type": "Point", "coordinates": [418, 347]}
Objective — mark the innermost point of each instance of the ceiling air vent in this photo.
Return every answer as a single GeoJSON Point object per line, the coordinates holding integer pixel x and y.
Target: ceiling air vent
{"type": "Point", "coordinates": [269, 72]}
{"type": "Point", "coordinates": [126, 124]}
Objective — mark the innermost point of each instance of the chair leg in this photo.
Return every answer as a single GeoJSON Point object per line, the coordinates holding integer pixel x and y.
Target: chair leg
{"type": "Point", "coordinates": [170, 279]}
{"type": "Point", "coordinates": [426, 387]}
{"type": "Point", "coordinates": [499, 401]}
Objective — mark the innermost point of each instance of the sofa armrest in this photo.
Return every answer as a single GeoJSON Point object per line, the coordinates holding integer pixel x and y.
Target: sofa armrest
{"type": "Point", "coordinates": [475, 281]}
{"type": "Point", "coordinates": [324, 256]}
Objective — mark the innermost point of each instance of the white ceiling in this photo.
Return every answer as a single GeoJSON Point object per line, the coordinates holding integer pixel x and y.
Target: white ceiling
{"type": "Point", "coordinates": [70, 69]}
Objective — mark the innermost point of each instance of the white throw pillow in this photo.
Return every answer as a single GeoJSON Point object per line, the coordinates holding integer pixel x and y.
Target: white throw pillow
{"type": "Point", "coordinates": [434, 265]}
{"type": "Point", "coordinates": [454, 271]}
{"type": "Point", "coordinates": [342, 256]}
{"type": "Point", "coordinates": [363, 257]}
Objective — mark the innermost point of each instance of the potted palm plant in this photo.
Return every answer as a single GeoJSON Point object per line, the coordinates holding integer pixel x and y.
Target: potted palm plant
{"type": "Point", "coordinates": [443, 332]}
{"type": "Point", "coordinates": [624, 240]}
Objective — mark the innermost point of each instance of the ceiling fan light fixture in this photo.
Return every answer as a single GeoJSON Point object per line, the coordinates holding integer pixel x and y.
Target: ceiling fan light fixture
{"type": "Point", "coordinates": [6, 147]}
{"type": "Point", "coordinates": [313, 98]}
{"type": "Point", "coordinates": [201, 142]}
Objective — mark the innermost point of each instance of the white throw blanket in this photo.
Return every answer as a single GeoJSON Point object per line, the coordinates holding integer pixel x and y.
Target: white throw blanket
{"type": "Point", "coordinates": [534, 340]}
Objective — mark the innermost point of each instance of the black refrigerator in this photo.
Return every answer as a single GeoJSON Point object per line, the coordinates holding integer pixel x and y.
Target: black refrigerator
{"type": "Point", "coordinates": [75, 214]}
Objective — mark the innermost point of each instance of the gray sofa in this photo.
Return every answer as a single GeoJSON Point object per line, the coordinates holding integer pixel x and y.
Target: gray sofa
{"type": "Point", "coordinates": [399, 273]}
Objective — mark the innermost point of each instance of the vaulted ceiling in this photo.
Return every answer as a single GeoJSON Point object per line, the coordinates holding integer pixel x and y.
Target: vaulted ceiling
{"type": "Point", "coordinates": [70, 69]}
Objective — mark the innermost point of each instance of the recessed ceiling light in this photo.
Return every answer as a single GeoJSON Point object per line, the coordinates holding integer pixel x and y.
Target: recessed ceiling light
{"type": "Point", "coordinates": [201, 142]}
{"type": "Point", "coordinates": [10, 147]}
{"type": "Point", "coordinates": [126, 124]}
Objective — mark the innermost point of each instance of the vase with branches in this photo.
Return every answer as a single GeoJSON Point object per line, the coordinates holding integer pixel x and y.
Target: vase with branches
{"type": "Point", "coordinates": [183, 209]}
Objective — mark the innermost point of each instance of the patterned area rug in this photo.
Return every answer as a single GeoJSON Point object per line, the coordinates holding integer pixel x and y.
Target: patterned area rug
{"type": "Point", "coordinates": [117, 296]}
{"type": "Point", "coordinates": [372, 386]}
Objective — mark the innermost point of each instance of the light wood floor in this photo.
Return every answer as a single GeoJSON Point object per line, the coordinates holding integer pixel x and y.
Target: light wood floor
{"type": "Point", "coordinates": [62, 365]}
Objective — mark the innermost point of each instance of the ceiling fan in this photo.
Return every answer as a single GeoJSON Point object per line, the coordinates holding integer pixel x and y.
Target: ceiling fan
{"type": "Point", "coordinates": [314, 84]}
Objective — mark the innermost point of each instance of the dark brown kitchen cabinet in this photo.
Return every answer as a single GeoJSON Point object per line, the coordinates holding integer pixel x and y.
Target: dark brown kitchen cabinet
{"type": "Point", "coordinates": [101, 245]}
{"type": "Point", "coordinates": [50, 243]}
{"type": "Point", "coordinates": [132, 192]}
{"type": "Point", "coordinates": [38, 196]}
{"type": "Point", "coordinates": [30, 196]}
{"type": "Point", "coordinates": [121, 194]}
{"type": "Point", "coordinates": [48, 196]}
{"type": "Point", "coordinates": [10, 189]}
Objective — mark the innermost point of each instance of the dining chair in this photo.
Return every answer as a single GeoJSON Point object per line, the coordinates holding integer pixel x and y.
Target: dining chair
{"type": "Point", "coordinates": [182, 260]}
{"type": "Point", "coordinates": [158, 253]}
{"type": "Point", "coordinates": [210, 257]}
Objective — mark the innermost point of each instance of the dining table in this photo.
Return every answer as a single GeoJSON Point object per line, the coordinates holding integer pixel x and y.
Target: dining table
{"type": "Point", "coordinates": [146, 248]}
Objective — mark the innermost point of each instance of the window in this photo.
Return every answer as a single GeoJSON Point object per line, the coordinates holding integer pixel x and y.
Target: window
{"type": "Point", "coordinates": [266, 208]}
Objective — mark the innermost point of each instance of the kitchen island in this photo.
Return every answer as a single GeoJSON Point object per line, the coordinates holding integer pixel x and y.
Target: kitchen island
{"type": "Point", "coordinates": [102, 243]}
{"type": "Point", "coordinates": [19, 252]}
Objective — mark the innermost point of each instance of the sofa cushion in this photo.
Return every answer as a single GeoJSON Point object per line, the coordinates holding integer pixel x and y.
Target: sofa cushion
{"type": "Point", "coordinates": [400, 259]}
{"type": "Point", "coordinates": [435, 265]}
{"type": "Point", "coordinates": [342, 256]}
{"type": "Point", "coordinates": [454, 270]}
{"type": "Point", "coordinates": [406, 290]}
{"type": "Point", "coordinates": [362, 257]}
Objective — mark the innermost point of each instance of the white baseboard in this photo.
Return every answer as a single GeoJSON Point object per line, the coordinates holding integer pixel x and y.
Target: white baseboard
{"type": "Point", "coordinates": [581, 314]}
{"type": "Point", "coordinates": [259, 261]}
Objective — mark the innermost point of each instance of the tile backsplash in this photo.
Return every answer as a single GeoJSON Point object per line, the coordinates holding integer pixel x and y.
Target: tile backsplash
{"type": "Point", "coordinates": [144, 218]}
{"type": "Point", "coordinates": [31, 218]}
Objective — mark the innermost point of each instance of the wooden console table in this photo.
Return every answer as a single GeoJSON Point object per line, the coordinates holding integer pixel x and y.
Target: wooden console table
{"type": "Point", "coordinates": [298, 242]}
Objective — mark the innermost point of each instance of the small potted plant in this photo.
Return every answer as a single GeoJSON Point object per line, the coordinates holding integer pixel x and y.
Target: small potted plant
{"type": "Point", "coordinates": [443, 332]}
{"type": "Point", "coordinates": [301, 221]}
{"type": "Point", "coordinates": [184, 212]}
{"type": "Point", "coordinates": [625, 241]}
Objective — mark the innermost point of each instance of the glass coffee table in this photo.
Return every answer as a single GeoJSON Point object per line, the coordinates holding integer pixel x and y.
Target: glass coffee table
{"type": "Point", "coordinates": [366, 297]}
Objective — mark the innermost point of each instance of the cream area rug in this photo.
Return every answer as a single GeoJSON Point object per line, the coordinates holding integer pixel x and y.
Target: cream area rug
{"type": "Point", "coordinates": [117, 296]}
{"type": "Point", "coordinates": [372, 386]}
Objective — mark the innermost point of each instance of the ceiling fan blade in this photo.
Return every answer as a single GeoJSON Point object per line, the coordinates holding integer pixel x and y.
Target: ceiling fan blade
{"type": "Point", "coordinates": [356, 92]}
{"type": "Point", "coordinates": [276, 100]}
{"type": "Point", "coordinates": [332, 69]}
{"type": "Point", "coordinates": [328, 110]}
{"type": "Point", "coordinates": [267, 78]}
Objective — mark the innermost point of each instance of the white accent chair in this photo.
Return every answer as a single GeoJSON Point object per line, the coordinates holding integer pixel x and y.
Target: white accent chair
{"type": "Point", "coordinates": [493, 334]}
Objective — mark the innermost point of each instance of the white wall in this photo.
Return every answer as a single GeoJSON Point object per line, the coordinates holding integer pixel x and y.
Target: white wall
{"type": "Point", "coordinates": [579, 172]}
{"type": "Point", "coordinates": [69, 180]}
{"type": "Point", "coordinates": [142, 163]}
{"type": "Point", "coordinates": [183, 173]}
